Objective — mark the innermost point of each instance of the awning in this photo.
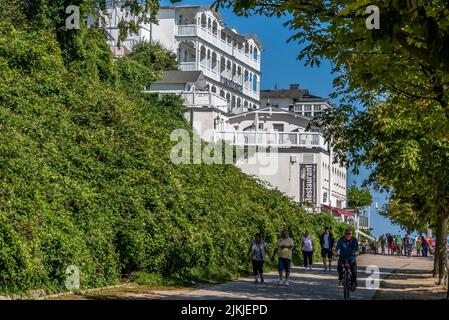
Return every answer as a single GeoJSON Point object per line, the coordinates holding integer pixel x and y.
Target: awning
{"type": "Point", "coordinates": [336, 210]}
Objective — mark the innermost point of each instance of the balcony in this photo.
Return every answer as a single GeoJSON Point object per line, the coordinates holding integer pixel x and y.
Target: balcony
{"type": "Point", "coordinates": [187, 66]}
{"type": "Point", "coordinates": [363, 222]}
{"type": "Point", "coordinates": [272, 139]}
{"type": "Point", "coordinates": [206, 99]}
{"type": "Point", "coordinates": [194, 30]}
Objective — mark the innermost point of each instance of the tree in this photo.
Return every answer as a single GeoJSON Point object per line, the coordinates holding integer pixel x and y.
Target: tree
{"type": "Point", "coordinates": [154, 56]}
{"type": "Point", "coordinates": [404, 214]}
{"type": "Point", "coordinates": [358, 198]}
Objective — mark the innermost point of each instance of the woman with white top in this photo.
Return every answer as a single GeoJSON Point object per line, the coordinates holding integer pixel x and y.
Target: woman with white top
{"type": "Point", "coordinates": [307, 250]}
{"type": "Point", "coordinates": [257, 252]}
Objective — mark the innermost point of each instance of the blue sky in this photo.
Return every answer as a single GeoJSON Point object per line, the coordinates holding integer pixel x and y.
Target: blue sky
{"type": "Point", "coordinates": [281, 67]}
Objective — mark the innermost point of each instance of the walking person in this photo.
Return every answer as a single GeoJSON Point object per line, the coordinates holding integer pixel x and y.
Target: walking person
{"type": "Point", "coordinates": [284, 251]}
{"type": "Point", "coordinates": [425, 246]}
{"type": "Point", "coordinates": [383, 242]}
{"type": "Point", "coordinates": [307, 251]}
{"type": "Point", "coordinates": [327, 241]}
{"type": "Point", "coordinates": [393, 247]}
{"type": "Point", "coordinates": [389, 243]}
{"type": "Point", "coordinates": [257, 252]}
{"type": "Point", "coordinates": [405, 244]}
{"type": "Point", "coordinates": [398, 242]}
{"type": "Point", "coordinates": [418, 246]}
{"type": "Point", "coordinates": [409, 246]}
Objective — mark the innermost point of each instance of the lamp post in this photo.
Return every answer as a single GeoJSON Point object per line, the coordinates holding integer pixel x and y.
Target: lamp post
{"type": "Point", "coordinates": [369, 217]}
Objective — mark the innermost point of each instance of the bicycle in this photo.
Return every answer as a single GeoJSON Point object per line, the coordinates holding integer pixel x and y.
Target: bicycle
{"type": "Point", "coordinates": [346, 280]}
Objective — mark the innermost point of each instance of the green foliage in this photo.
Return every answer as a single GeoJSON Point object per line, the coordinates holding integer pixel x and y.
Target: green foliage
{"type": "Point", "coordinates": [405, 214]}
{"type": "Point", "coordinates": [154, 56]}
{"type": "Point", "coordinates": [359, 197]}
{"type": "Point", "coordinates": [131, 74]}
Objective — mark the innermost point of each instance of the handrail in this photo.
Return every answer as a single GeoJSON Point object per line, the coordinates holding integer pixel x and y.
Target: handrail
{"type": "Point", "coordinates": [364, 234]}
{"type": "Point", "coordinates": [272, 138]}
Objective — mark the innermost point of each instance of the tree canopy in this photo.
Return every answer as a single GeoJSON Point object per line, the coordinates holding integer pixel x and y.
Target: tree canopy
{"type": "Point", "coordinates": [359, 197]}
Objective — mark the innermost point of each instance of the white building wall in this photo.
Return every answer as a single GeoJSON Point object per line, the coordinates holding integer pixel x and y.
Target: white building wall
{"type": "Point", "coordinates": [204, 121]}
{"type": "Point", "coordinates": [164, 31]}
{"type": "Point", "coordinates": [274, 168]}
{"type": "Point", "coordinates": [280, 172]}
{"type": "Point", "coordinates": [281, 103]}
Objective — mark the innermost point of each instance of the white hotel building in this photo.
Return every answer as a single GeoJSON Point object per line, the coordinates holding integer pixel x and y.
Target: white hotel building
{"type": "Point", "coordinates": [230, 61]}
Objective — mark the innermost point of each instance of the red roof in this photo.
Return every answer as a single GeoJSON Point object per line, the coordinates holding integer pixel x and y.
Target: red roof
{"type": "Point", "coordinates": [337, 210]}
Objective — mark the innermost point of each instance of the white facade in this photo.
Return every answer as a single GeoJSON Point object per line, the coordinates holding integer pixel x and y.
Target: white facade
{"type": "Point", "coordinates": [198, 35]}
{"type": "Point", "coordinates": [290, 146]}
{"type": "Point", "coordinates": [275, 148]}
{"type": "Point", "coordinates": [296, 100]}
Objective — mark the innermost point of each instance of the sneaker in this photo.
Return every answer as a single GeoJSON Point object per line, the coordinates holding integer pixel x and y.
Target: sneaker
{"type": "Point", "coordinates": [310, 268]}
{"type": "Point", "coordinates": [286, 283]}
{"type": "Point", "coordinates": [353, 287]}
{"type": "Point", "coordinates": [256, 281]}
{"type": "Point", "coordinates": [261, 279]}
{"type": "Point", "coordinates": [330, 268]}
{"type": "Point", "coordinates": [281, 282]}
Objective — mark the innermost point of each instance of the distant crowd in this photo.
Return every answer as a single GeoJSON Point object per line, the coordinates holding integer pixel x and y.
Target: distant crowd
{"type": "Point", "coordinates": [407, 245]}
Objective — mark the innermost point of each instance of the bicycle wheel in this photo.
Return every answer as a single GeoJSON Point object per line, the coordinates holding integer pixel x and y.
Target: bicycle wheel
{"type": "Point", "coordinates": [347, 285]}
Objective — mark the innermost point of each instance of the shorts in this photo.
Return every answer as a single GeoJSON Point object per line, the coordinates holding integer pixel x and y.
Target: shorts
{"type": "Point", "coordinates": [326, 253]}
{"type": "Point", "coordinates": [284, 264]}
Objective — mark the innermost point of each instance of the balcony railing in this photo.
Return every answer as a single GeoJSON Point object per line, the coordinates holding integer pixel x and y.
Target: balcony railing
{"type": "Point", "coordinates": [272, 139]}
{"type": "Point", "coordinates": [187, 66]}
{"type": "Point", "coordinates": [209, 99]}
{"type": "Point", "coordinates": [363, 222]}
{"type": "Point", "coordinates": [212, 38]}
{"type": "Point", "coordinates": [197, 98]}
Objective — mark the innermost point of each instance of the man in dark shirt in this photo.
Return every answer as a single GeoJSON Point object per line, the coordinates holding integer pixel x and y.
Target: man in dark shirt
{"type": "Point", "coordinates": [327, 245]}
{"type": "Point", "coordinates": [346, 249]}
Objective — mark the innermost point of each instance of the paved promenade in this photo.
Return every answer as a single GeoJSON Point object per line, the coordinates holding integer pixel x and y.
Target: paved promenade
{"type": "Point", "coordinates": [400, 278]}
{"type": "Point", "coordinates": [315, 284]}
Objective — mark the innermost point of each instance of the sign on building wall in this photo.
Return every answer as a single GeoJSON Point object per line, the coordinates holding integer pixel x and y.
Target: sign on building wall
{"type": "Point", "coordinates": [307, 181]}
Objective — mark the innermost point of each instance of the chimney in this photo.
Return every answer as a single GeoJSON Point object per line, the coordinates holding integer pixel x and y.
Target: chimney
{"type": "Point", "coordinates": [294, 86]}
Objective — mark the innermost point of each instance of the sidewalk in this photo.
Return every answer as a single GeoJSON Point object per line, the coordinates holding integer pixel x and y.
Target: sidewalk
{"type": "Point", "coordinates": [413, 281]}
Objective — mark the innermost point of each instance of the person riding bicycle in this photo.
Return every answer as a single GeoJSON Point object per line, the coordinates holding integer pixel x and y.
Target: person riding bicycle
{"type": "Point", "coordinates": [346, 249]}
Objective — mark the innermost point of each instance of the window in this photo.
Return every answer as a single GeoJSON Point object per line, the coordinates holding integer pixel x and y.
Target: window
{"type": "Point", "coordinates": [317, 107]}
{"type": "Point", "coordinates": [308, 107]}
{"type": "Point", "coordinates": [254, 83]}
{"type": "Point", "coordinates": [260, 126]}
{"type": "Point", "coordinates": [298, 108]}
{"type": "Point", "coordinates": [309, 114]}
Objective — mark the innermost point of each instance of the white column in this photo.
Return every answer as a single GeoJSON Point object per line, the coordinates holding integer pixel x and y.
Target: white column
{"type": "Point", "coordinates": [197, 58]}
